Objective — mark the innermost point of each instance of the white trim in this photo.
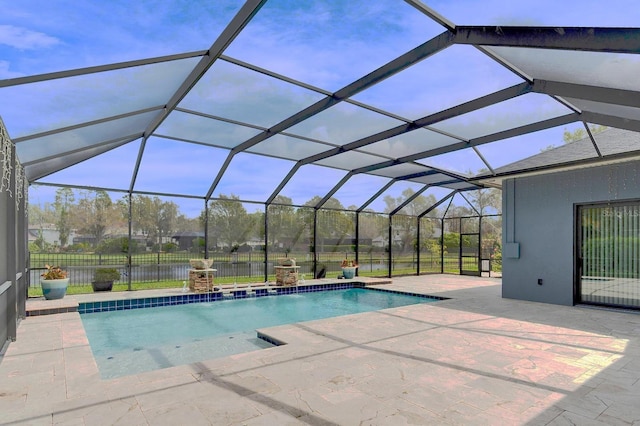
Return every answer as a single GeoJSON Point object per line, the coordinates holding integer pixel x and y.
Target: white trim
{"type": "Point", "coordinates": [4, 287]}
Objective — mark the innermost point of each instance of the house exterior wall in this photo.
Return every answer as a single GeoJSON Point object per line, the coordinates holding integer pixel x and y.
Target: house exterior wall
{"type": "Point", "coordinates": [538, 226]}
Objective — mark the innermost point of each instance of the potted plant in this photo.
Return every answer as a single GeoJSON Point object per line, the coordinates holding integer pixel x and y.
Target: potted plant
{"type": "Point", "coordinates": [349, 268]}
{"type": "Point", "coordinates": [103, 279]}
{"type": "Point", "coordinates": [54, 282]}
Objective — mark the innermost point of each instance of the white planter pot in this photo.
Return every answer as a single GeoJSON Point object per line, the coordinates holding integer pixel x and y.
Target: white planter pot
{"type": "Point", "coordinates": [54, 289]}
{"type": "Point", "coordinates": [349, 271]}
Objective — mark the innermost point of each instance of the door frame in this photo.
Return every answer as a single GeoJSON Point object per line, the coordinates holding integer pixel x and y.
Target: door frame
{"type": "Point", "coordinates": [478, 253]}
{"type": "Point", "coordinates": [578, 260]}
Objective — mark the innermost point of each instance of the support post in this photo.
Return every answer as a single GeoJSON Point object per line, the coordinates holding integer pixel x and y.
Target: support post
{"type": "Point", "coordinates": [315, 241]}
{"type": "Point", "coordinates": [128, 265]}
{"type": "Point", "coordinates": [357, 222]}
{"type": "Point", "coordinates": [418, 245]}
{"type": "Point", "coordinates": [442, 245]}
{"type": "Point", "coordinates": [206, 228]}
{"type": "Point", "coordinates": [266, 242]}
{"type": "Point", "coordinates": [390, 256]}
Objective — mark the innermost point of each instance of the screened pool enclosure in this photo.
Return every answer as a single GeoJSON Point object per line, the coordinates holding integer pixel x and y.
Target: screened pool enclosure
{"type": "Point", "coordinates": [248, 131]}
{"type": "Point", "coordinates": [244, 239]}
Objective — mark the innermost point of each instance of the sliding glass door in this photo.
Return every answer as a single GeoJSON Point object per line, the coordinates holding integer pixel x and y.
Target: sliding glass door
{"type": "Point", "coordinates": [608, 254]}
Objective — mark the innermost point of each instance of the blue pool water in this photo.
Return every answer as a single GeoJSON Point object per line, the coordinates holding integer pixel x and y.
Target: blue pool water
{"type": "Point", "coordinates": [132, 341]}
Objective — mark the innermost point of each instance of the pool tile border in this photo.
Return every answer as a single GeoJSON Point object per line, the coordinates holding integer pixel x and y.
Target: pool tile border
{"type": "Point", "coordinates": [181, 299]}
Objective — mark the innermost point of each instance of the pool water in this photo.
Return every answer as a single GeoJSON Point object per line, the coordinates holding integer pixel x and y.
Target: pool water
{"type": "Point", "coordinates": [132, 341]}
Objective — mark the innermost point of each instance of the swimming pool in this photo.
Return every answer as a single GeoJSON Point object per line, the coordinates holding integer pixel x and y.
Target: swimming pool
{"type": "Point", "coordinates": [131, 341]}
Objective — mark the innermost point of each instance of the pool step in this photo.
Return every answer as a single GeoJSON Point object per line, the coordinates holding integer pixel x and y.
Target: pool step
{"type": "Point", "coordinates": [270, 339]}
{"type": "Point", "coordinates": [48, 307]}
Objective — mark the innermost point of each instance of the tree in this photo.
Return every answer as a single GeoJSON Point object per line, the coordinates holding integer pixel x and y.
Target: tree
{"type": "Point", "coordinates": [460, 211]}
{"type": "Point", "coordinates": [228, 221]}
{"type": "Point", "coordinates": [391, 203]}
{"type": "Point", "coordinates": [166, 214]}
{"type": "Point", "coordinates": [373, 225]}
{"type": "Point", "coordinates": [404, 232]}
{"type": "Point", "coordinates": [94, 214]}
{"type": "Point", "coordinates": [419, 205]}
{"type": "Point", "coordinates": [63, 204]}
{"type": "Point", "coordinates": [281, 216]}
{"type": "Point", "coordinates": [332, 222]}
{"type": "Point", "coordinates": [430, 237]}
{"type": "Point", "coordinates": [486, 198]}
{"type": "Point", "coordinates": [142, 215]}
{"type": "Point", "coordinates": [483, 199]}
{"type": "Point", "coordinates": [257, 219]}
{"type": "Point", "coordinates": [581, 133]}
{"type": "Point", "coordinates": [332, 203]}
{"type": "Point", "coordinates": [576, 135]}
{"type": "Point", "coordinates": [184, 223]}
{"type": "Point", "coordinates": [40, 244]}
{"type": "Point", "coordinates": [154, 218]}
{"type": "Point", "coordinates": [404, 223]}
{"type": "Point", "coordinates": [38, 217]}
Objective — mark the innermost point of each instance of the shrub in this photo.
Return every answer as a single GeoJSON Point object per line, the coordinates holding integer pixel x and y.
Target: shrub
{"type": "Point", "coordinates": [78, 248]}
{"type": "Point", "coordinates": [106, 274]}
{"type": "Point", "coordinates": [169, 247]}
{"type": "Point", "coordinates": [116, 245]}
{"type": "Point", "coordinates": [496, 264]}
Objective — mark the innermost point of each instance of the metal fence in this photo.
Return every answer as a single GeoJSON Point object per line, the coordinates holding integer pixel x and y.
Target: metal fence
{"type": "Point", "coordinates": [154, 267]}
{"type": "Point", "coordinates": [233, 267]}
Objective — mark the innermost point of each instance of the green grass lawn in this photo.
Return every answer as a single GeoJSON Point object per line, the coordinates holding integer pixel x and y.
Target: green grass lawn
{"type": "Point", "coordinates": [36, 291]}
{"type": "Point", "coordinates": [84, 289]}
{"type": "Point", "coordinates": [331, 260]}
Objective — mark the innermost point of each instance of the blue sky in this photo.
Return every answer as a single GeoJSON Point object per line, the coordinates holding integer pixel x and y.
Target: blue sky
{"type": "Point", "coordinates": [326, 44]}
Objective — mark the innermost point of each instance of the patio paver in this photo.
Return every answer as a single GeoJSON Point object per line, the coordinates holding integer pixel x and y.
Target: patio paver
{"type": "Point", "coordinates": [473, 359]}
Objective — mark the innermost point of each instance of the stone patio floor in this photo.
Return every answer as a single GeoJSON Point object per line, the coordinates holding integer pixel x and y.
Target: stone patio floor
{"type": "Point", "coordinates": [473, 359]}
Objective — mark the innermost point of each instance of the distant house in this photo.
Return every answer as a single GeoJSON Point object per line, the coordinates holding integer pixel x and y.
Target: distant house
{"type": "Point", "coordinates": [379, 241]}
{"type": "Point", "coordinates": [185, 239]}
{"type": "Point", "coordinates": [49, 233]}
{"type": "Point", "coordinates": [383, 240]}
{"type": "Point", "coordinates": [84, 239]}
{"type": "Point", "coordinates": [255, 243]}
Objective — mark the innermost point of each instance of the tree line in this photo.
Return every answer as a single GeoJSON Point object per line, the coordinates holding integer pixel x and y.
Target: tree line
{"type": "Point", "coordinates": [95, 218]}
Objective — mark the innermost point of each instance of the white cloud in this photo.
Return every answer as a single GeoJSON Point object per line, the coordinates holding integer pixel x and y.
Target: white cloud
{"type": "Point", "coordinates": [5, 73]}
{"type": "Point", "coordinates": [23, 38]}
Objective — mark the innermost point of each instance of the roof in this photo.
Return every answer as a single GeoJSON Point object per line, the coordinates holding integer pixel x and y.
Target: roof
{"type": "Point", "coordinates": [327, 99]}
{"type": "Point", "coordinates": [607, 145]}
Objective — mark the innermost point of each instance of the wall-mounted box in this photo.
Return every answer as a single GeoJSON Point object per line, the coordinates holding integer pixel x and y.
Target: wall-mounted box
{"type": "Point", "coordinates": [512, 250]}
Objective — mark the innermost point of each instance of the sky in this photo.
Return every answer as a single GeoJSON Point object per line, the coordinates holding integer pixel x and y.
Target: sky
{"type": "Point", "coordinates": [326, 44]}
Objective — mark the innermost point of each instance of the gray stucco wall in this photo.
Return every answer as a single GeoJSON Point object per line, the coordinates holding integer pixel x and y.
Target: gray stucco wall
{"type": "Point", "coordinates": [538, 213]}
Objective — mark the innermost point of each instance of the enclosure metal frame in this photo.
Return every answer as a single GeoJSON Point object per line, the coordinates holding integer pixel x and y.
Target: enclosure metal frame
{"type": "Point", "coordinates": [588, 39]}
